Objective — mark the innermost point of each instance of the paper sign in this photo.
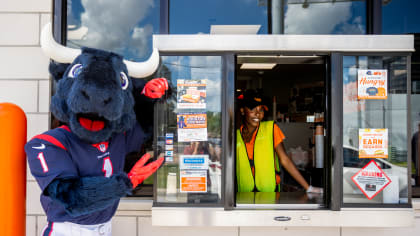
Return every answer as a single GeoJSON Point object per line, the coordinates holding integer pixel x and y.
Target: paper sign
{"type": "Point", "coordinates": [372, 84]}
{"type": "Point", "coordinates": [373, 143]}
{"type": "Point", "coordinates": [191, 94]}
{"type": "Point", "coordinates": [192, 127]}
{"type": "Point", "coordinates": [194, 162]}
{"type": "Point", "coordinates": [371, 179]}
{"type": "Point", "coordinates": [193, 181]}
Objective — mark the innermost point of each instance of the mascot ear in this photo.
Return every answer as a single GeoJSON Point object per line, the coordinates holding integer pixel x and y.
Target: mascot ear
{"type": "Point", "coordinates": [57, 69]}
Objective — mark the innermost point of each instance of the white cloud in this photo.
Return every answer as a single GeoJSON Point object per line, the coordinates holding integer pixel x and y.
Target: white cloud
{"type": "Point", "coordinates": [209, 68]}
{"type": "Point", "coordinates": [113, 25]}
{"type": "Point", "coordinates": [321, 19]}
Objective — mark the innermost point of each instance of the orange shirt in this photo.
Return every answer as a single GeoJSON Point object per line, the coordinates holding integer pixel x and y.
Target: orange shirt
{"type": "Point", "coordinates": [278, 138]}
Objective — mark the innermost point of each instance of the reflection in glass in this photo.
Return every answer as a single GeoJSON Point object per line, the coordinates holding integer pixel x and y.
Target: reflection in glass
{"type": "Point", "coordinates": [124, 27]}
{"type": "Point", "coordinates": [197, 17]}
{"type": "Point", "coordinates": [400, 16]}
{"type": "Point", "coordinates": [318, 17]}
{"type": "Point", "coordinates": [192, 169]}
{"type": "Point", "coordinates": [390, 114]}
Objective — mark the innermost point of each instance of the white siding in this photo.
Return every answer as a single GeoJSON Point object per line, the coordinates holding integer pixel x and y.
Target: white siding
{"type": "Point", "coordinates": [23, 63]}
{"type": "Point", "coordinates": [20, 29]}
{"type": "Point", "coordinates": [23, 93]}
{"type": "Point", "coordinates": [21, 6]}
{"type": "Point", "coordinates": [30, 226]}
{"type": "Point", "coordinates": [146, 229]}
{"type": "Point", "coordinates": [124, 225]}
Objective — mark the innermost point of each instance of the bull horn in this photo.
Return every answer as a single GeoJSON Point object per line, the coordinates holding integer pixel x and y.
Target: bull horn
{"type": "Point", "coordinates": [54, 50]}
{"type": "Point", "coordinates": [143, 69]}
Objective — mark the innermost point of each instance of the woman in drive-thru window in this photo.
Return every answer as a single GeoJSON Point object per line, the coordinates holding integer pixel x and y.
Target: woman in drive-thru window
{"type": "Point", "coordinates": [260, 151]}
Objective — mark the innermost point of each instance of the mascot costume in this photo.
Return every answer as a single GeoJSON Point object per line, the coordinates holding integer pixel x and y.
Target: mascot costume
{"type": "Point", "coordinates": [79, 166]}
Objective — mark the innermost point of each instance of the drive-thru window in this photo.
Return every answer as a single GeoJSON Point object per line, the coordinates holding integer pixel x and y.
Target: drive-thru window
{"type": "Point", "coordinates": [354, 97]}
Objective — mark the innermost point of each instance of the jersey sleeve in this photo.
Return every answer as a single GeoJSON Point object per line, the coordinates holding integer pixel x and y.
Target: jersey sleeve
{"type": "Point", "coordinates": [134, 138]}
{"type": "Point", "coordinates": [278, 135]}
{"type": "Point", "coordinates": [48, 162]}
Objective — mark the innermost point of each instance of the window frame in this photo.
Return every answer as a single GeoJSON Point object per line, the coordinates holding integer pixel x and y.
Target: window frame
{"type": "Point", "coordinates": [227, 98]}
{"type": "Point", "coordinates": [338, 117]}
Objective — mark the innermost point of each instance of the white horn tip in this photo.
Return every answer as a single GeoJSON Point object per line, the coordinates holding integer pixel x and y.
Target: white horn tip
{"type": "Point", "coordinates": [55, 50]}
{"type": "Point", "coordinates": [143, 69]}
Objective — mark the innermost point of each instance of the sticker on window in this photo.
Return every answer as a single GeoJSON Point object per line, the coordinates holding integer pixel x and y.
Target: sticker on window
{"type": "Point", "coordinates": [193, 181]}
{"type": "Point", "coordinates": [371, 180]}
{"type": "Point", "coordinates": [191, 94]}
{"type": "Point", "coordinates": [192, 127]}
{"type": "Point", "coordinates": [372, 84]}
{"type": "Point", "coordinates": [373, 143]}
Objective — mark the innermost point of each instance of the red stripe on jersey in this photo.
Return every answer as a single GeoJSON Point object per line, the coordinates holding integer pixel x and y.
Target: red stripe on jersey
{"type": "Point", "coordinates": [50, 139]}
{"type": "Point", "coordinates": [52, 226]}
{"type": "Point", "coordinates": [48, 229]}
{"type": "Point", "coordinates": [65, 127]}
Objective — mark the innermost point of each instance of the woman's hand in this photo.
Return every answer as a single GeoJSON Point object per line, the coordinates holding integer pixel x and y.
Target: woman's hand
{"type": "Point", "coordinates": [313, 189]}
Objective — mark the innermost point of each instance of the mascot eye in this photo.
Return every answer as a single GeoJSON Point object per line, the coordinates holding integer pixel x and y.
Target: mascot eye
{"type": "Point", "coordinates": [75, 70]}
{"type": "Point", "coordinates": [123, 80]}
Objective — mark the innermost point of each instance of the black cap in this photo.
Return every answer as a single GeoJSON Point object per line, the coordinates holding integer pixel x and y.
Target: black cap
{"type": "Point", "coordinates": [251, 99]}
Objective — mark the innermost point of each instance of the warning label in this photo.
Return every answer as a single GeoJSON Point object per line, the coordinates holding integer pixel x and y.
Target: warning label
{"type": "Point", "coordinates": [371, 180]}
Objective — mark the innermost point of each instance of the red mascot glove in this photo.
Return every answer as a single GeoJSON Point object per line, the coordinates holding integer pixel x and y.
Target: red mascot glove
{"type": "Point", "coordinates": [155, 88]}
{"type": "Point", "coordinates": [139, 172]}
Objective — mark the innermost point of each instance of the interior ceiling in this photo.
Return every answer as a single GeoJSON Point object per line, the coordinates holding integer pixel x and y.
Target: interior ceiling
{"type": "Point", "coordinates": [293, 64]}
{"type": "Point", "coordinates": [286, 60]}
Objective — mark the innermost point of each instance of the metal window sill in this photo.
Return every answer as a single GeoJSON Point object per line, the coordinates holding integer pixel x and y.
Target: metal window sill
{"type": "Point", "coordinates": [191, 217]}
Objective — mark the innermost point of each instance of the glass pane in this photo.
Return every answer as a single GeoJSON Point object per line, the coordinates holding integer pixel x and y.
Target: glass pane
{"type": "Point", "coordinates": [318, 17]}
{"type": "Point", "coordinates": [400, 16]}
{"type": "Point", "coordinates": [189, 131]}
{"type": "Point", "coordinates": [127, 32]}
{"type": "Point", "coordinates": [415, 118]}
{"type": "Point", "coordinates": [124, 27]}
{"type": "Point", "coordinates": [375, 129]}
{"type": "Point", "coordinates": [207, 14]}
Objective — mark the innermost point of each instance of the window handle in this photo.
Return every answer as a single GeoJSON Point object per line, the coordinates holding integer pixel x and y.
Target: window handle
{"type": "Point", "coordinates": [282, 218]}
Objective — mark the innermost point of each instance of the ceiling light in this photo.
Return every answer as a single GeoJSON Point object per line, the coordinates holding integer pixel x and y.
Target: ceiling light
{"type": "Point", "coordinates": [258, 66]}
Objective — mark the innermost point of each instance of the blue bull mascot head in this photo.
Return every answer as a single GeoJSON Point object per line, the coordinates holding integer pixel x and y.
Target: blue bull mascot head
{"type": "Point", "coordinates": [94, 93]}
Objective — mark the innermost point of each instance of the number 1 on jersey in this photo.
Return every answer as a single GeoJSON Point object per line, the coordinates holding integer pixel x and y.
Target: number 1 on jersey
{"type": "Point", "coordinates": [43, 162]}
{"type": "Point", "coordinates": [107, 167]}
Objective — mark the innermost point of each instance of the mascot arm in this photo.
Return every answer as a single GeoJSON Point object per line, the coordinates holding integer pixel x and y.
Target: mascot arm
{"type": "Point", "coordinates": [145, 104]}
{"type": "Point", "coordinates": [140, 172]}
{"type": "Point", "coordinates": [85, 195]}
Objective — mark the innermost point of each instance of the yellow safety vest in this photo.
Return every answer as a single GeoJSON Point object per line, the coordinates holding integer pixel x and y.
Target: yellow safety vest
{"type": "Point", "coordinates": [264, 160]}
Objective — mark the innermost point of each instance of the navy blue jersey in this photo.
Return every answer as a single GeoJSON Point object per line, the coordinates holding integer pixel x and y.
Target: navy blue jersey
{"type": "Point", "coordinates": [59, 153]}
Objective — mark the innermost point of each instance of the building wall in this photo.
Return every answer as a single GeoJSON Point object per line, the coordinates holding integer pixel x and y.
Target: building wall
{"type": "Point", "coordinates": [24, 80]}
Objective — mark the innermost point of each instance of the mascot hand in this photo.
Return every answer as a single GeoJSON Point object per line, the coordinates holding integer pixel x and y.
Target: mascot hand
{"type": "Point", "coordinates": [155, 88]}
{"type": "Point", "coordinates": [139, 172]}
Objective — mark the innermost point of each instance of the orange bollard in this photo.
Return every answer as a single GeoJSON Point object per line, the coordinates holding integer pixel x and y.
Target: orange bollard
{"type": "Point", "coordinates": [12, 170]}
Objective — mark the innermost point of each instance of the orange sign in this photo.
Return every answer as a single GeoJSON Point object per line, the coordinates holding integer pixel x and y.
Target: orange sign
{"type": "Point", "coordinates": [193, 181]}
{"type": "Point", "coordinates": [373, 143]}
{"type": "Point", "coordinates": [372, 84]}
